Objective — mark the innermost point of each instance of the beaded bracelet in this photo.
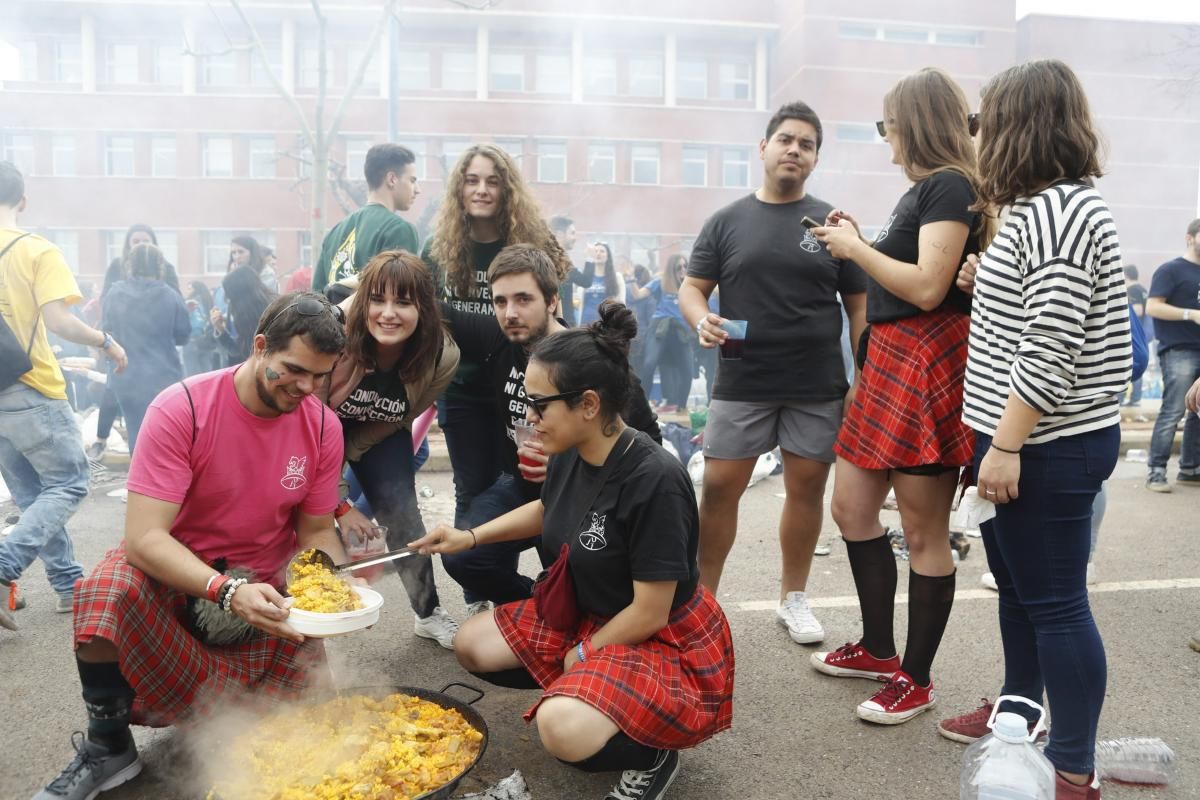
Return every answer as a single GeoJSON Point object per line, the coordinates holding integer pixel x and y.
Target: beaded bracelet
{"type": "Point", "coordinates": [580, 652]}
{"type": "Point", "coordinates": [227, 600]}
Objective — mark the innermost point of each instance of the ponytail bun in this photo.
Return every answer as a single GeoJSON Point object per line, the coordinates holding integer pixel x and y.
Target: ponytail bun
{"type": "Point", "coordinates": [615, 329]}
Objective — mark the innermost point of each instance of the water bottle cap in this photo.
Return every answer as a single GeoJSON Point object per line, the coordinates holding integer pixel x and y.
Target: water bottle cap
{"type": "Point", "coordinates": [1010, 727]}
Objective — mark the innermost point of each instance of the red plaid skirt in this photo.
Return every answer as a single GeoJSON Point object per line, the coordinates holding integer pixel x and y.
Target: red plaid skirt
{"type": "Point", "coordinates": [672, 691]}
{"type": "Point", "coordinates": [171, 672]}
{"type": "Point", "coordinates": [908, 408]}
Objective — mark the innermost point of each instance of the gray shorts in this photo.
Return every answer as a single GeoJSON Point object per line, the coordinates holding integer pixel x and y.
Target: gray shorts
{"type": "Point", "coordinates": [741, 429]}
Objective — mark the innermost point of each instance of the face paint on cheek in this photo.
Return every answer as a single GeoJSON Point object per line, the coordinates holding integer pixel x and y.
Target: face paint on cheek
{"type": "Point", "coordinates": [272, 375]}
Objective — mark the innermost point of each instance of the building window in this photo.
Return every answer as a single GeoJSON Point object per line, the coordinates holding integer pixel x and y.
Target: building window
{"type": "Point", "coordinates": [735, 166]}
{"type": "Point", "coordinates": [218, 70]}
{"type": "Point", "coordinates": [310, 68]}
{"type": "Point", "coordinates": [643, 249]}
{"type": "Point", "coordinates": [305, 247]}
{"type": "Point", "coordinates": [118, 156]}
{"type": "Point", "coordinates": [258, 73]}
{"type": "Point", "coordinates": [63, 155]}
{"type": "Point", "coordinates": [861, 132]}
{"type": "Point", "coordinates": [906, 35]}
{"type": "Point", "coordinates": [356, 158]}
{"type": "Point", "coordinates": [734, 77]}
{"type": "Point", "coordinates": [27, 61]}
{"type": "Point", "coordinates": [370, 80]}
{"type": "Point", "coordinates": [514, 147]}
{"type": "Point", "coordinates": [168, 242]}
{"type": "Point", "coordinates": [644, 163]}
{"type": "Point", "coordinates": [451, 150]}
{"type": "Point", "coordinates": [216, 251]}
{"type": "Point", "coordinates": [695, 166]}
{"type": "Point", "coordinates": [553, 74]}
{"type": "Point", "coordinates": [121, 63]}
{"type": "Point", "coordinates": [412, 70]}
{"type": "Point", "coordinates": [646, 76]}
{"type": "Point", "coordinates": [552, 162]}
{"type": "Point", "coordinates": [162, 157]}
{"type": "Point", "coordinates": [600, 75]}
{"type": "Point", "coordinates": [692, 79]}
{"type": "Point", "coordinates": [958, 38]}
{"type": "Point", "coordinates": [68, 243]}
{"type": "Point", "coordinates": [507, 72]}
{"type": "Point", "coordinates": [602, 163]}
{"type": "Point", "coordinates": [458, 70]}
{"type": "Point", "coordinates": [854, 30]}
{"type": "Point", "coordinates": [262, 157]}
{"type": "Point", "coordinates": [168, 65]}
{"type": "Point", "coordinates": [418, 148]}
{"type": "Point", "coordinates": [67, 61]}
{"type": "Point", "coordinates": [218, 157]}
{"type": "Point", "coordinates": [18, 148]}
{"type": "Point", "coordinates": [114, 246]}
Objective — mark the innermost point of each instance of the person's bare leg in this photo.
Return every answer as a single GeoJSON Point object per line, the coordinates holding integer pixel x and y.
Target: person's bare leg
{"type": "Point", "coordinates": [97, 651]}
{"type": "Point", "coordinates": [800, 523]}
{"type": "Point", "coordinates": [480, 647]}
{"type": "Point", "coordinates": [571, 730]}
{"type": "Point", "coordinates": [724, 483]}
{"type": "Point", "coordinates": [925, 502]}
{"type": "Point", "coordinates": [858, 494]}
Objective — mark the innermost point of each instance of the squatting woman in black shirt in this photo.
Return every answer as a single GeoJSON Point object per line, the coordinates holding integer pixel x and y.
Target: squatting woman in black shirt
{"type": "Point", "coordinates": [904, 426]}
{"type": "Point", "coordinates": [647, 669]}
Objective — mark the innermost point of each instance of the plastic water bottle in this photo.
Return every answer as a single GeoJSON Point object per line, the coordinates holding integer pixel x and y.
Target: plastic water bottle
{"type": "Point", "coordinates": [1135, 760]}
{"type": "Point", "coordinates": [1006, 765]}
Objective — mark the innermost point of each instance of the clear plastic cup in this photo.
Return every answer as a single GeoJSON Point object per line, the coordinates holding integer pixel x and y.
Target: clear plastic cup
{"type": "Point", "coordinates": [373, 545]}
{"type": "Point", "coordinates": [734, 345]}
{"type": "Point", "coordinates": [525, 432]}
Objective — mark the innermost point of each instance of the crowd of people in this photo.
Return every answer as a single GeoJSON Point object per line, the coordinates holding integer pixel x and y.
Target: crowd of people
{"type": "Point", "coordinates": [993, 338]}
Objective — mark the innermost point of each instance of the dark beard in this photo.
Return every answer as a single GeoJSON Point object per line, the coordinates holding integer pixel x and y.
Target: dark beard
{"type": "Point", "coordinates": [264, 394]}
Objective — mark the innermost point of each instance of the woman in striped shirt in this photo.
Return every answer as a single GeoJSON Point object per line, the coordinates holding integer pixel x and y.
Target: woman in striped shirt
{"type": "Point", "coordinates": [1049, 357]}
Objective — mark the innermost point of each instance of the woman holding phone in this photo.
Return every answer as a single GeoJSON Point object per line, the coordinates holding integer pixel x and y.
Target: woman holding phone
{"type": "Point", "coordinates": [646, 668]}
{"type": "Point", "coordinates": [903, 428]}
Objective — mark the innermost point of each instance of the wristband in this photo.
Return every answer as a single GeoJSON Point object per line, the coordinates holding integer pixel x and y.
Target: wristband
{"type": "Point", "coordinates": [108, 341]}
{"type": "Point", "coordinates": [474, 540]}
{"type": "Point", "coordinates": [343, 508]}
{"type": "Point", "coordinates": [1003, 450]}
{"type": "Point", "coordinates": [213, 589]}
{"type": "Point", "coordinates": [1187, 315]}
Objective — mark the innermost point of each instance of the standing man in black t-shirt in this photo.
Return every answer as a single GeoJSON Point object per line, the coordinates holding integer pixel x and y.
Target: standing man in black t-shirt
{"type": "Point", "coordinates": [789, 386]}
{"type": "Point", "coordinates": [1174, 303]}
{"type": "Point", "coordinates": [564, 232]}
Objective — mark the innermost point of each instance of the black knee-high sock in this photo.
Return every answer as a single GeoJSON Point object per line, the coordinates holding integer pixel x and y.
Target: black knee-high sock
{"type": "Point", "coordinates": [515, 678]}
{"type": "Point", "coordinates": [874, 567]}
{"type": "Point", "coordinates": [109, 701]}
{"type": "Point", "coordinates": [618, 754]}
{"type": "Point", "coordinates": [929, 602]}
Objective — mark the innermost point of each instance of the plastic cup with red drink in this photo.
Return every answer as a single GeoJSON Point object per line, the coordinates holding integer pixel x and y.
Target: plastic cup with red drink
{"type": "Point", "coordinates": [375, 544]}
{"type": "Point", "coordinates": [525, 433]}
{"type": "Point", "coordinates": [734, 346]}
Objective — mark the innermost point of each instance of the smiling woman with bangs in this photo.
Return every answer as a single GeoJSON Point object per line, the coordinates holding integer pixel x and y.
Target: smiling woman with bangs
{"type": "Point", "coordinates": [398, 359]}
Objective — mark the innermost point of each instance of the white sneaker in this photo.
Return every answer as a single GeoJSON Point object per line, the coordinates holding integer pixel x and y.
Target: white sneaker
{"type": "Point", "coordinates": [438, 626]}
{"type": "Point", "coordinates": [796, 615]}
{"type": "Point", "coordinates": [479, 607]}
{"type": "Point", "coordinates": [989, 581]}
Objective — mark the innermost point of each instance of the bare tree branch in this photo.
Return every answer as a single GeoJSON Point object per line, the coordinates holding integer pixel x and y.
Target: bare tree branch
{"type": "Point", "coordinates": [360, 71]}
{"type": "Point", "coordinates": [261, 52]}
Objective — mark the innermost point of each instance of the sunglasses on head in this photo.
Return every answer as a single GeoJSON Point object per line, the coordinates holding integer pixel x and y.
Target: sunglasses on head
{"type": "Point", "coordinates": [306, 306]}
{"type": "Point", "coordinates": [538, 404]}
{"type": "Point", "coordinates": [972, 126]}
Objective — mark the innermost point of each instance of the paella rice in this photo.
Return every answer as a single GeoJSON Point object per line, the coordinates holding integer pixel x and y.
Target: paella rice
{"type": "Point", "coordinates": [315, 588]}
{"type": "Point", "coordinates": [396, 747]}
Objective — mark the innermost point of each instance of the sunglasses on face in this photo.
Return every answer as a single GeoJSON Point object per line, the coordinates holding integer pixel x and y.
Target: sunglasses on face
{"type": "Point", "coordinates": [972, 126]}
{"type": "Point", "coordinates": [538, 404]}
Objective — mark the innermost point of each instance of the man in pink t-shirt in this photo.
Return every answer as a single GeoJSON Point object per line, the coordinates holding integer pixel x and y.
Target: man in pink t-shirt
{"type": "Point", "coordinates": [235, 471]}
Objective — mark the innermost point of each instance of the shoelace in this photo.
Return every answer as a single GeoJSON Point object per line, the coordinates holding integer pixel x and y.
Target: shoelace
{"type": "Point", "coordinates": [83, 760]}
{"type": "Point", "coordinates": [634, 783]}
{"type": "Point", "coordinates": [892, 693]}
{"type": "Point", "coordinates": [848, 650]}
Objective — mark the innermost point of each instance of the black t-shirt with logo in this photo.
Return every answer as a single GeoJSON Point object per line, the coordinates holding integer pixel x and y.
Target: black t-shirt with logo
{"type": "Point", "coordinates": [773, 273]}
{"type": "Point", "coordinates": [1177, 282]}
{"type": "Point", "coordinates": [379, 397]}
{"type": "Point", "coordinates": [643, 525]}
{"type": "Point", "coordinates": [942, 197]}
{"type": "Point", "coordinates": [480, 338]}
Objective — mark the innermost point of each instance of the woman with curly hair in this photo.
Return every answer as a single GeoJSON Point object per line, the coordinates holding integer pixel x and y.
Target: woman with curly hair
{"type": "Point", "coordinates": [487, 207]}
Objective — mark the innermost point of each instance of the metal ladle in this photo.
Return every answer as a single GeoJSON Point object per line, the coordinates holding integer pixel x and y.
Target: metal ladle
{"type": "Point", "coordinates": [318, 556]}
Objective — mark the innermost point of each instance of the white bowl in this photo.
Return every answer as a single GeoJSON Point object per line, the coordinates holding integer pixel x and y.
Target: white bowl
{"type": "Point", "coordinates": [319, 626]}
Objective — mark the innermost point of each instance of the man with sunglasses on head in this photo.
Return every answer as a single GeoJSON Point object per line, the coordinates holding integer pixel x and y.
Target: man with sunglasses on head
{"type": "Point", "coordinates": [524, 295]}
{"type": "Point", "coordinates": [235, 471]}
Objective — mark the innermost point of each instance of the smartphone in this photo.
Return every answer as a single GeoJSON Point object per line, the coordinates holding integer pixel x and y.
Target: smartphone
{"type": "Point", "coordinates": [811, 223]}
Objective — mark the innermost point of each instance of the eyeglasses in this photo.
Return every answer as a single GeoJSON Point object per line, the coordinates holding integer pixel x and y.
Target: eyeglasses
{"type": "Point", "coordinates": [306, 306]}
{"type": "Point", "coordinates": [972, 126]}
{"type": "Point", "coordinates": [538, 404]}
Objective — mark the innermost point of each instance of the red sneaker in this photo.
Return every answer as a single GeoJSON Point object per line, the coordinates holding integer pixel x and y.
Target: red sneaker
{"type": "Point", "coordinates": [851, 660]}
{"type": "Point", "coordinates": [972, 726]}
{"type": "Point", "coordinates": [1065, 790]}
{"type": "Point", "coordinates": [898, 701]}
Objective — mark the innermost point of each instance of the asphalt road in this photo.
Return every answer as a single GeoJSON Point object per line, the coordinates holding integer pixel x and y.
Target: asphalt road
{"type": "Point", "coordinates": [795, 734]}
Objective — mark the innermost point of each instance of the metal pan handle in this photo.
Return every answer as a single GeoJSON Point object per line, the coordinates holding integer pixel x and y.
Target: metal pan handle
{"type": "Point", "coordinates": [477, 692]}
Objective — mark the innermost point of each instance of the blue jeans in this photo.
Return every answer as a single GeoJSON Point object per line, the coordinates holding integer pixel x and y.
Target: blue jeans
{"type": "Point", "coordinates": [359, 498]}
{"type": "Point", "coordinates": [489, 572]}
{"type": "Point", "coordinates": [671, 355]}
{"type": "Point", "coordinates": [1037, 549]}
{"type": "Point", "coordinates": [385, 473]}
{"type": "Point", "coordinates": [472, 430]}
{"type": "Point", "coordinates": [43, 464]}
{"type": "Point", "coordinates": [1180, 369]}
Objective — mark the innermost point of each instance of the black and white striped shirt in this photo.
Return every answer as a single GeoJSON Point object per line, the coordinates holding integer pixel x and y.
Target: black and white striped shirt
{"type": "Point", "coordinates": [1050, 318]}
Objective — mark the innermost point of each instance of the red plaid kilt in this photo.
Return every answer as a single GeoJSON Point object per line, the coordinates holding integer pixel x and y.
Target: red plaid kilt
{"type": "Point", "coordinates": [672, 692]}
{"type": "Point", "coordinates": [171, 672]}
{"type": "Point", "coordinates": [907, 411]}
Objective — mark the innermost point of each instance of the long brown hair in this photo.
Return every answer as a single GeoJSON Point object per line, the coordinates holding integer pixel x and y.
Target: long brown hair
{"type": "Point", "coordinates": [518, 218]}
{"type": "Point", "coordinates": [1035, 128]}
{"type": "Point", "coordinates": [670, 276]}
{"type": "Point", "coordinates": [404, 275]}
{"type": "Point", "coordinates": [928, 111]}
